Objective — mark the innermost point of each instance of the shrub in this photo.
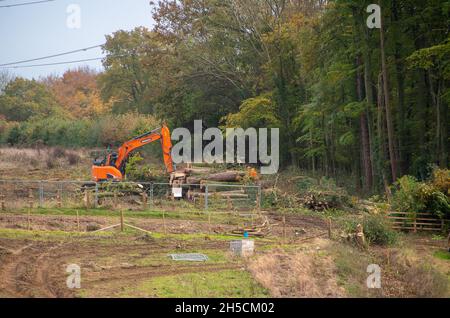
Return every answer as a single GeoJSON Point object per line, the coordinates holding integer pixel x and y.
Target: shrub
{"type": "Point", "coordinates": [376, 230]}
{"type": "Point", "coordinates": [411, 195]}
{"type": "Point", "coordinates": [73, 158]}
{"type": "Point", "coordinates": [50, 163]}
{"type": "Point", "coordinates": [441, 180]}
{"type": "Point", "coordinates": [132, 169]}
{"type": "Point", "coordinates": [58, 152]}
{"type": "Point", "coordinates": [59, 131]}
{"type": "Point", "coordinates": [407, 195]}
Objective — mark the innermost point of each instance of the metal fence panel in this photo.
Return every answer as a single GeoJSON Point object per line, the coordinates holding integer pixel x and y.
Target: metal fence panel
{"type": "Point", "coordinates": [20, 194]}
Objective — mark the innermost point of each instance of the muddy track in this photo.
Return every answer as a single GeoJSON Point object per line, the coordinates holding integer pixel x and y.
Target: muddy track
{"type": "Point", "coordinates": [147, 272]}
{"type": "Point", "coordinates": [37, 269]}
{"type": "Point", "coordinates": [69, 223]}
{"type": "Point", "coordinates": [24, 272]}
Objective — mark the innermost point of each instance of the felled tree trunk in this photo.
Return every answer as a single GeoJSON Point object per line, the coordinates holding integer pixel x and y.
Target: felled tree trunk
{"type": "Point", "coordinates": [228, 176]}
{"type": "Point", "coordinates": [225, 176]}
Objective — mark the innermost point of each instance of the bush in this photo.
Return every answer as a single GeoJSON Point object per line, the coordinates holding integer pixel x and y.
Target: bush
{"type": "Point", "coordinates": [66, 132]}
{"type": "Point", "coordinates": [407, 195]}
{"type": "Point", "coordinates": [376, 230]}
{"type": "Point", "coordinates": [410, 195]}
{"type": "Point", "coordinates": [50, 163]}
{"type": "Point", "coordinates": [73, 158]}
{"type": "Point", "coordinates": [58, 152]}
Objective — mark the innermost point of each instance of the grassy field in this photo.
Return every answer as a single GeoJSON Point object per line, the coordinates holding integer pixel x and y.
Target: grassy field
{"type": "Point", "coordinates": [297, 259]}
{"type": "Point", "coordinates": [135, 264]}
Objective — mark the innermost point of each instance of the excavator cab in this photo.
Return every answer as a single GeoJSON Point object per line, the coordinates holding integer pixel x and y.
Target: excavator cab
{"type": "Point", "coordinates": [99, 162]}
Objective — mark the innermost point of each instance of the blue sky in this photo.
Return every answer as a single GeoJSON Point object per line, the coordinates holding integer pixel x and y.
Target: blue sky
{"type": "Point", "coordinates": [38, 30]}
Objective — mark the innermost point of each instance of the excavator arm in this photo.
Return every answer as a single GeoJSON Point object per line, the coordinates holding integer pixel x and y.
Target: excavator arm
{"type": "Point", "coordinates": [113, 167]}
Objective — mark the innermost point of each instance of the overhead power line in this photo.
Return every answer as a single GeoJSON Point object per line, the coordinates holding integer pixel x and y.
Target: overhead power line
{"type": "Point", "coordinates": [25, 3]}
{"type": "Point", "coordinates": [51, 56]}
{"type": "Point", "coordinates": [65, 62]}
{"type": "Point", "coordinates": [56, 63]}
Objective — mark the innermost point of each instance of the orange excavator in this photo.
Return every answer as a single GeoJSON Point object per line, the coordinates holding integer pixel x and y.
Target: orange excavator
{"type": "Point", "coordinates": [112, 166]}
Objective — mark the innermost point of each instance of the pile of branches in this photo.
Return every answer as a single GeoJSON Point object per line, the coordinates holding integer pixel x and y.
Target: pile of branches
{"type": "Point", "coordinates": [261, 230]}
{"type": "Point", "coordinates": [321, 201]}
{"type": "Point", "coordinates": [312, 202]}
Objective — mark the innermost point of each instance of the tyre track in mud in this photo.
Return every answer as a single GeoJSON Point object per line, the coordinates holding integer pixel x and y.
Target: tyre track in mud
{"type": "Point", "coordinates": [147, 272]}
{"type": "Point", "coordinates": [38, 269]}
{"type": "Point", "coordinates": [24, 273]}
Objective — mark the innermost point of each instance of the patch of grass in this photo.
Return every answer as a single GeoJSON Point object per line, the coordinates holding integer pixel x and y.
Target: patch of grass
{"type": "Point", "coordinates": [351, 266]}
{"type": "Point", "coordinates": [194, 236]}
{"type": "Point", "coordinates": [437, 237]}
{"type": "Point", "coordinates": [218, 218]}
{"type": "Point", "coordinates": [222, 284]}
{"type": "Point", "coordinates": [426, 281]}
{"type": "Point", "coordinates": [444, 255]}
{"type": "Point", "coordinates": [48, 235]}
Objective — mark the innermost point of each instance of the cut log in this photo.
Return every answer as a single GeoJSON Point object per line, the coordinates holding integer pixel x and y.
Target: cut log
{"type": "Point", "coordinates": [195, 194]}
{"type": "Point", "coordinates": [222, 177]}
{"type": "Point", "coordinates": [197, 171]}
{"type": "Point", "coordinates": [218, 194]}
{"type": "Point", "coordinates": [225, 176]}
{"type": "Point", "coordinates": [193, 180]}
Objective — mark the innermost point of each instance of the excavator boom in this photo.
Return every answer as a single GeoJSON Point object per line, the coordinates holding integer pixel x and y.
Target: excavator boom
{"type": "Point", "coordinates": [113, 166]}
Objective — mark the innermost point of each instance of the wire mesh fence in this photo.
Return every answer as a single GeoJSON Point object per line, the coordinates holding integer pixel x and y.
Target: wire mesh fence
{"type": "Point", "coordinates": [21, 194]}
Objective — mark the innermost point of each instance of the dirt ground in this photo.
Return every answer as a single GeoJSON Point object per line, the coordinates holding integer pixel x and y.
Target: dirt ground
{"type": "Point", "coordinates": [297, 227]}
{"type": "Point", "coordinates": [33, 263]}
{"type": "Point", "coordinates": [35, 266]}
{"type": "Point", "coordinates": [37, 269]}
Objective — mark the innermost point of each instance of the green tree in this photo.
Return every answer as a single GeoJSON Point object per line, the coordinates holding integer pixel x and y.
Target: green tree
{"type": "Point", "coordinates": [23, 99]}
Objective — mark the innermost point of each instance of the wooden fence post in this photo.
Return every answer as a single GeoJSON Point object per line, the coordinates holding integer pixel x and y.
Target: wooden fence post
{"type": "Point", "coordinates": [78, 222]}
{"type": "Point", "coordinates": [329, 228]}
{"type": "Point", "coordinates": [209, 222]}
{"type": "Point", "coordinates": [30, 202]}
{"type": "Point", "coordinates": [87, 199]}
{"type": "Point", "coordinates": [121, 221]}
{"type": "Point", "coordinates": [144, 200]}
{"type": "Point", "coordinates": [164, 222]}
{"type": "Point", "coordinates": [59, 198]}
{"type": "Point", "coordinates": [258, 204]}
{"type": "Point", "coordinates": [2, 202]}
{"type": "Point", "coordinates": [41, 194]}
{"type": "Point", "coordinates": [415, 223]}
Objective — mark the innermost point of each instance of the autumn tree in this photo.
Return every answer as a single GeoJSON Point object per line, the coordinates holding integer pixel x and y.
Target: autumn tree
{"type": "Point", "coordinates": [78, 93]}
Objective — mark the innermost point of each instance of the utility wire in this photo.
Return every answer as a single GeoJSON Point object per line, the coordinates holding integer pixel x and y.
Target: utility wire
{"type": "Point", "coordinates": [25, 3]}
{"type": "Point", "coordinates": [56, 63]}
{"type": "Point", "coordinates": [51, 56]}
{"type": "Point", "coordinates": [60, 63]}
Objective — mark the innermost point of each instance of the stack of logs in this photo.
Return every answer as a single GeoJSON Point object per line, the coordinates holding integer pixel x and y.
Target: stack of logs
{"type": "Point", "coordinates": [218, 184]}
